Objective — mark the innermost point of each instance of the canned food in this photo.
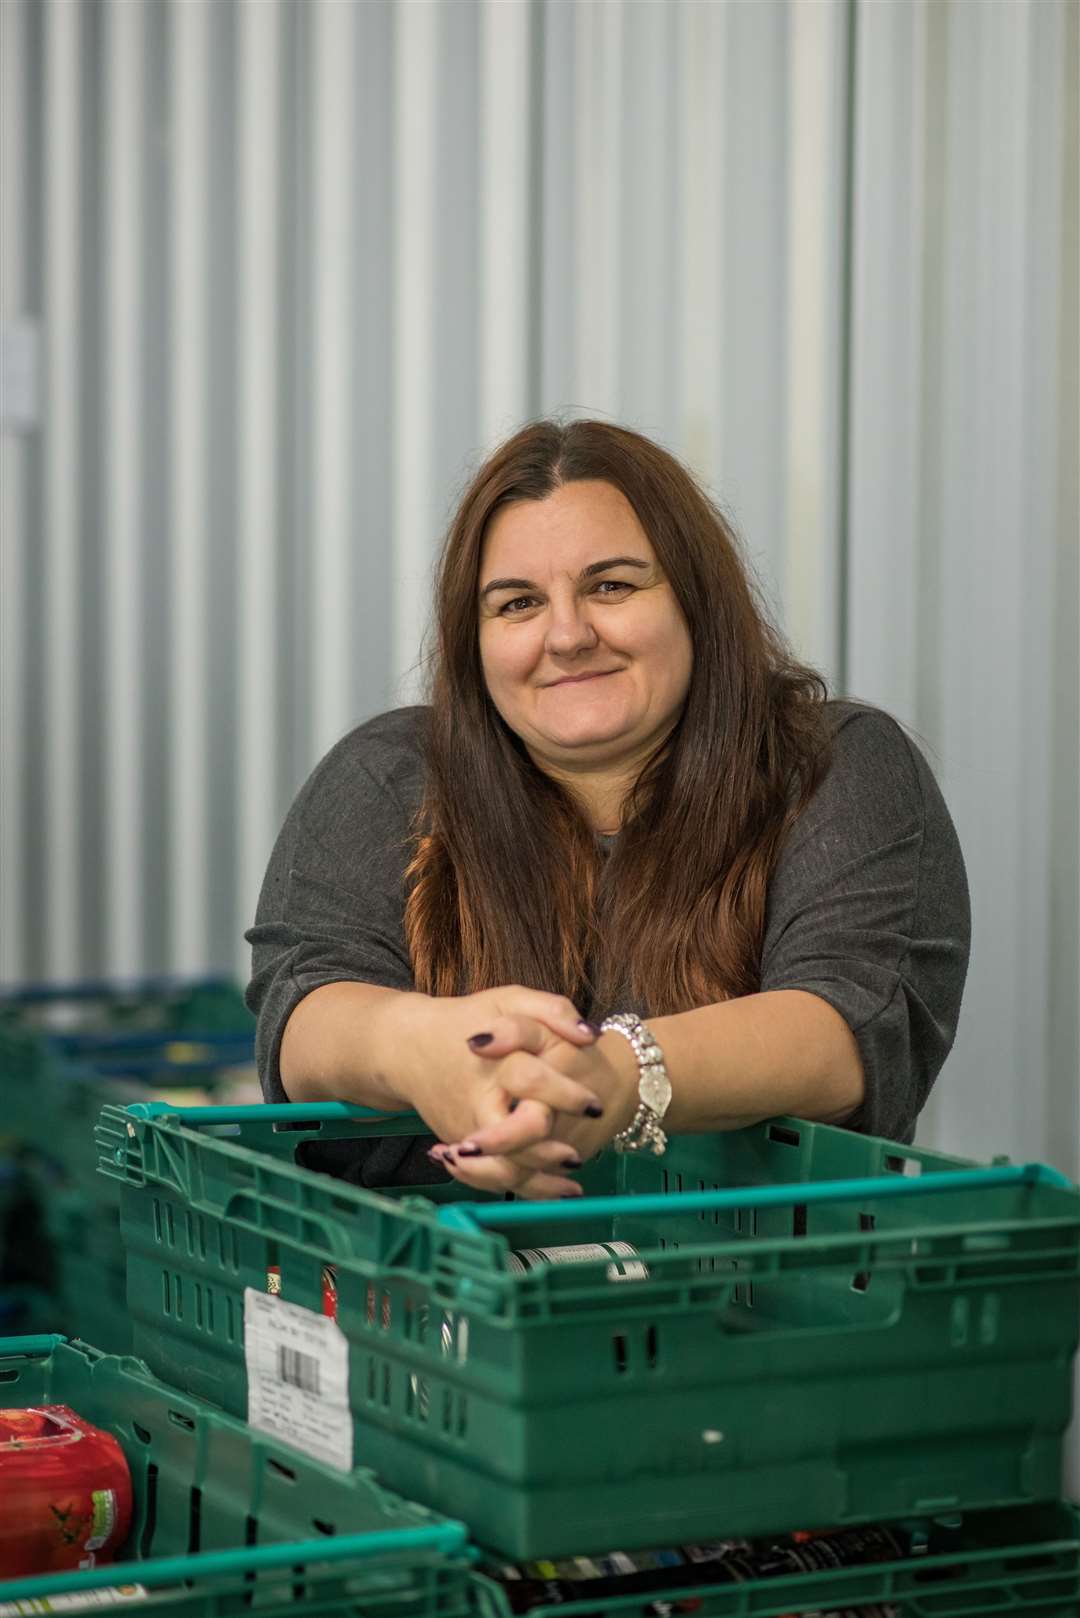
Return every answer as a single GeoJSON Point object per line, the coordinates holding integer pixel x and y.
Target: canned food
{"type": "Point", "coordinates": [619, 1574]}
{"type": "Point", "coordinates": [624, 1263]}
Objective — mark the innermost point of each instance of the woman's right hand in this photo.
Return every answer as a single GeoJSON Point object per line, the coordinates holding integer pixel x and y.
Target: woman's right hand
{"type": "Point", "coordinates": [457, 1091]}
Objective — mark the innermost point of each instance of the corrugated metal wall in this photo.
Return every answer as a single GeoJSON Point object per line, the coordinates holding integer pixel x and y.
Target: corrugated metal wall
{"type": "Point", "coordinates": [964, 509]}
{"type": "Point", "coordinates": [294, 267]}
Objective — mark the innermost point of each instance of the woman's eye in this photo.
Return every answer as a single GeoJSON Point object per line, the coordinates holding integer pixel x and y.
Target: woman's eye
{"type": "Point", "coordinates": [612, 589]}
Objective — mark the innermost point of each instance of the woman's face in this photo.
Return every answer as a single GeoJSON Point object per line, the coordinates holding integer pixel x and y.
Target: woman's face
{"type": "Point", "coordinates": [585, 650]}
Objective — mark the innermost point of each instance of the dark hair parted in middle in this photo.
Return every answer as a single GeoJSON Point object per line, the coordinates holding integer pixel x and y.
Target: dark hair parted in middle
{"type": "Point", "coordinates": [506, 883]}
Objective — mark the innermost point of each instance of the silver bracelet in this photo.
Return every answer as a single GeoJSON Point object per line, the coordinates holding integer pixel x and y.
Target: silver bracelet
{"type": "Point", "coordinates": [644, 1132]}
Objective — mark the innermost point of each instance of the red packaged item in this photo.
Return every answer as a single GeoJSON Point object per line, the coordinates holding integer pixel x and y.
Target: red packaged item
{"type": "Point", "coordinates": [66, 1490]}
{"type": "Point", "coordinates": [329, 1287]}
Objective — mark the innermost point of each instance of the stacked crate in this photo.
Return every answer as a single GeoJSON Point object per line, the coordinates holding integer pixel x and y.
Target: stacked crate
{"type": "Point", "coordinates": [65, 1051]}
{"type": "Point", "coordinates": [820, 1330]}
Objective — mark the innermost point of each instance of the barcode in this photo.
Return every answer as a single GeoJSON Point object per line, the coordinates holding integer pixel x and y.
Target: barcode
{"type": "Point", "coordinates": [299, 1370]}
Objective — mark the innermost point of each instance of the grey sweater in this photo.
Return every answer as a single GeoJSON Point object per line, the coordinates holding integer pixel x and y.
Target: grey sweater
{"type": "Point", "coordinates": [867, 908]}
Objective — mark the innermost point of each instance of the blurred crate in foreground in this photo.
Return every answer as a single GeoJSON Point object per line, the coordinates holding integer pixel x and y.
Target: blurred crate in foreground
{"type": "Point", "coordinates": [66, 1051]}
{"type": "Point", "coordinates": [226, 1520]}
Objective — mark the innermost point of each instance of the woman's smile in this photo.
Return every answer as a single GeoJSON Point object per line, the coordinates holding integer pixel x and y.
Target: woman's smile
{"type": "Point", "coordinates": [580, 679]}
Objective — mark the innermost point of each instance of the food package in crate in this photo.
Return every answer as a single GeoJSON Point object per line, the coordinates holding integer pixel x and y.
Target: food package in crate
{"type": "Point", "coordinates": [66, 1489]}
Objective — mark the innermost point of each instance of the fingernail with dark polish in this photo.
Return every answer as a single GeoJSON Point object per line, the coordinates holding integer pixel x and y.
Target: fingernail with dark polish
{"type": "Point", "coordinates": [470, 1151]}
{"type": "Point", "coordinates": [479, 1041]}
{"type": "Point", "coordinates": [593, 1111]}
{"type": "Point", "coordinates": [592, 1028]}
{"type": "Point", "coordinates": [570, 1196]}
{"type": "Point", "coordinates": [571, 1162]}
{"type": "Point", "coordinates": [513, 1107]}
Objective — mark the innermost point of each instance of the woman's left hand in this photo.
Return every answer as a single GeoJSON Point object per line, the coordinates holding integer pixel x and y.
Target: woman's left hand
{"type": "Point", "coordinates": [520, 1152]}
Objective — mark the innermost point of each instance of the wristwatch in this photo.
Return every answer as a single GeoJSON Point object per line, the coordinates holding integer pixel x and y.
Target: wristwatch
{"type": "Point", "coordinates": [644, 1132]}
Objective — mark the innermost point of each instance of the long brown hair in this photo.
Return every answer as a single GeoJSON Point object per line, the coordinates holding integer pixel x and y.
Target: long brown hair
{"type": "Point", "coordinates": [506, 883]}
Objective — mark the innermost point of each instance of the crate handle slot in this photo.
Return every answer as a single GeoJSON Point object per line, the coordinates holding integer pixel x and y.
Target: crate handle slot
{"type": "Point", "coordinates": [446, 1537]}
{"type": "Point", "coordinates": [473, 1216]}
{"type": "Point", "coordinates": [267, 1112]}
{"type": "Point", "coordinates": [294, 1223]}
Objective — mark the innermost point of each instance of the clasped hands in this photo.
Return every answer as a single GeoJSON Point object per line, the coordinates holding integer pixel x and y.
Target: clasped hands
{"type": "Point", "coordinates": [519, 1089]}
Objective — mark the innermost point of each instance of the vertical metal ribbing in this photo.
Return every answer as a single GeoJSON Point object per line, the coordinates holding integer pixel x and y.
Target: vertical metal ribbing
{"type": "Point", "coordinates": [1057, 51]}
{"type": "Point", "coordinates": [188, 529]}
{"type": "Point", "coordinates": [650, 187]}
{"type": "Point", "coordinates": [61, 485]}
{"type": "Point", "coordinates": [536, 278]}
{"type": "Point", "coordinates": [14, 537]}
{"type": "Point", "coordinates": [124, 535]}
{"type": "Point", "coordinates": [814, 206]}
{"type": "Point", "coordinates": [257, 359]}
{"type": "Point", "coordinates": [504, 210]}
{"type": "Point", "coordinates": [887, 416]}
{"type": "Point", "coordinates": [848, 162]}
{"type": "Point", "coordinates": [292, 480]}
{"type": "Point", "coordinates": [554, 323]}
{"type": "Point", "coordinates": [332, 541]}
{"type": "Point", "coordinates": [1021, 404]}
{"type": "Point", "coordinates": [416, 51]}
{"type": "Point", "coordinates": [702, 156]}
{"type": "Point", "coordinates": [1048, 944]}
{"type": "Point", "coordinates": [597, 213]}
{"type": "Point", "coordinates": [986, 581]}
{"type": "Point", "coordinates": [224, 433]}
{"type": "Point", "coordinates": [156, 477]}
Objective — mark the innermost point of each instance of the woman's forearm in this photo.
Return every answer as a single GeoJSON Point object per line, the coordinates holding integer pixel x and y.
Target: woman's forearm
{"type": "Point", "coordinates": [343, 1042]}
{"type": "Point", "coordinates": [784, 1051]}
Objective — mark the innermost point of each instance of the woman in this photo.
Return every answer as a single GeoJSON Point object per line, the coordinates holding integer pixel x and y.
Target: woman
{"type": "Point", "coordinates": [625, 798]}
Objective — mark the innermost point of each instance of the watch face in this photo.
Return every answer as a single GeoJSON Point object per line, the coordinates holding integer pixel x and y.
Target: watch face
{"type": "Point", "coordinates": [655, 1091]}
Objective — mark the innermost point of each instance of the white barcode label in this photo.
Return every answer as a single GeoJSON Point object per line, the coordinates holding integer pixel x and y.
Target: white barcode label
{"type": "Point", "coordinates": [115, 1595]}
{"type": "Point", "coordinates": [298, 1378]}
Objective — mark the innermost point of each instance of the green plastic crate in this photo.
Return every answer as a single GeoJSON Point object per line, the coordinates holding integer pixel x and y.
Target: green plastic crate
{"type": "Point", "coordinates": [1024, 1562]}
{"type": "Point", "coordinates": [65, 1052]}
{"type": "Point", "coordinates": [25, 1310]}
{"type": "Point", "coordinates": [226, 1520]}
{"type": "Point", "coordinates": [50, 1113]}
{"type": "Point", "coordinates": [86, 1292]}
{"type": "Point", "coordinates": [26, 1068]}
{"type": "Point", "coordinates": [62, 1230]}
{"type": "Point", "coordinates": [68, 1049]}
{"type": "Point", "coordinates": [91, 1303]}
{"type": "Point", "coordinates": [822, 1334]}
